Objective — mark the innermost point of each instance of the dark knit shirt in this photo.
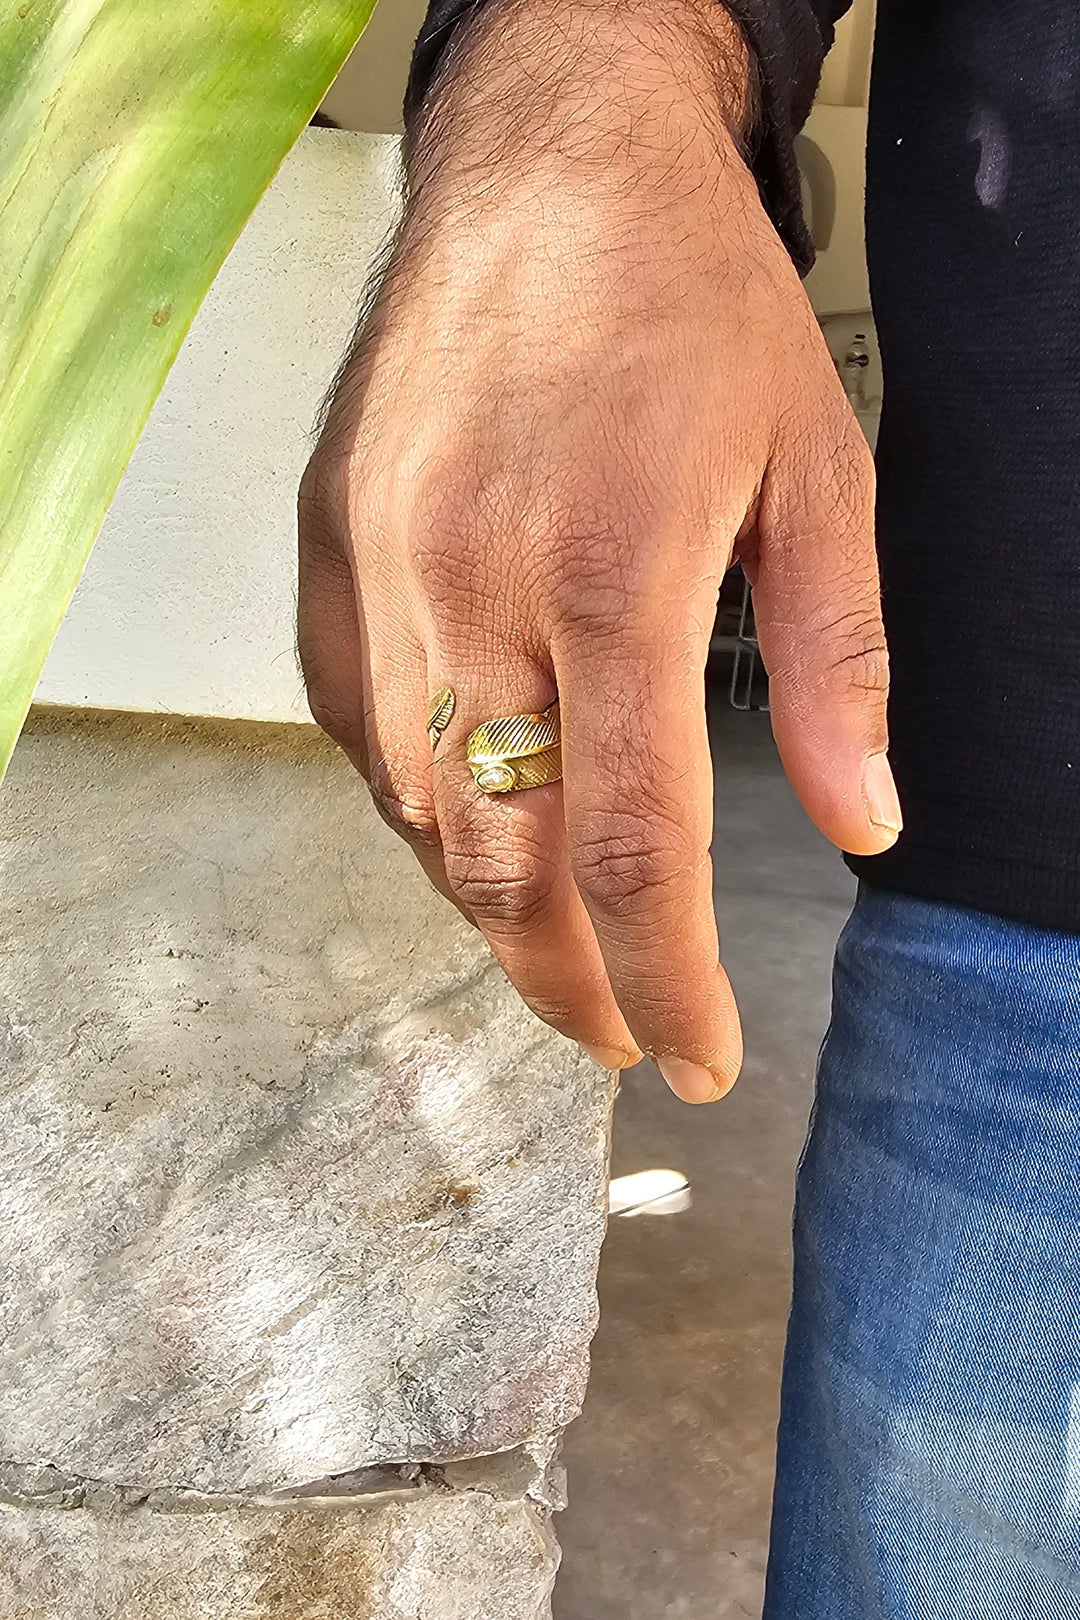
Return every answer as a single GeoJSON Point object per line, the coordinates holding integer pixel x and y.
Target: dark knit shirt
{"type": "Point", "coordinates": [973, 226]}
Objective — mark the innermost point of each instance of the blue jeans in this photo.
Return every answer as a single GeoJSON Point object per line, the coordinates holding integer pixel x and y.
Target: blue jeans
{"type": "Point", "coordinates": [929, 1451]}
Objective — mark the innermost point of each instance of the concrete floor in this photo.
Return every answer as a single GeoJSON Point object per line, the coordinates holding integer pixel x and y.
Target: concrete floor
{"type": "Point", "coordinates": [670, 1467]}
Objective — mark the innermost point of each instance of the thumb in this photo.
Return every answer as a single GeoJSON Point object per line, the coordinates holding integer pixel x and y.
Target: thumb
{"type": "Point", "coordinates": [817, 609]}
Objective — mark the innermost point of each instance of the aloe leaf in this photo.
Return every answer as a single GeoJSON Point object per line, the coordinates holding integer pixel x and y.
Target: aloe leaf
{"type": "Point", "coordinates": [135, 139]}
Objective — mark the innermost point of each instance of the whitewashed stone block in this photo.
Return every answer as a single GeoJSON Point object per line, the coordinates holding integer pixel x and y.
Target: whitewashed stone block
{"type": "Point", "coordinates": [440, 1557]}
{"type": "Point", "coordinates": [291, 1185]}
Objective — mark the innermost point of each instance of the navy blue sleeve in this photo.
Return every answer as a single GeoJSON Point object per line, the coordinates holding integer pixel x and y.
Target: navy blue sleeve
{"type": "Point", "coordinates": [788, 38]}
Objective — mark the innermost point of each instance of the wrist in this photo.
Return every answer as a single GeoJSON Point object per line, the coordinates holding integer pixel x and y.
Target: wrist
{"type": "Point", "coordinates": [568, 87]}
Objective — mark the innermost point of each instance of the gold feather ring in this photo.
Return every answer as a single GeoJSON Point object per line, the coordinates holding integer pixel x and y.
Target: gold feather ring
{"type": "Point", "coordinates": [520, 751]}
{"type": "Point", "coordinates": [440, 713]}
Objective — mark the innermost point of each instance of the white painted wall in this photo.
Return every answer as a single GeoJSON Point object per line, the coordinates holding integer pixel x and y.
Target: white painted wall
{"type": "Point", "coordinates": [368, 92]}
{"type": "Point", "coordinates": [188, 601]}
{"type": "Point", "coordinates": [832, 153]}
{"type": "Point", "coordinates": [845, 78]}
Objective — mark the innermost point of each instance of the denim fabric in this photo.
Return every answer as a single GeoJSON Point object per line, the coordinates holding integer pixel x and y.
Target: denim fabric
{"type": "Point", "coordinates": [929, 1451]}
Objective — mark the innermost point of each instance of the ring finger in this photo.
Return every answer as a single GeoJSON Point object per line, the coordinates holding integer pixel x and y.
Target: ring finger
{"type": "Point", "coordinates": [507, 861]}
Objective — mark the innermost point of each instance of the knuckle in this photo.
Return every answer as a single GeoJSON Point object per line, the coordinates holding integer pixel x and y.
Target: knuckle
{"type": "Point", "coordinates": [322, 502]}
{"type": "Point", "coordinates": [452, 520]}
{"type": "Point", "coordinates": [551, 1008]}
{"type": "Point", "coordinates": [622, 862]}
{"type": "Point", "coordinates": [329, 714]}
{"type": "Point", "coordinates": [848, 485]}
{"type": "Point", "coordinates": [595, 602]}
{"type": "Point", "coordinates": [603, 568]}
{"type": "Point", "coordinates": [406, 807]}
{"type": "Point", "coordinates": [868, 672]}
{"type": "Point", "coordinates": [512, 893]}
{"type": "Point", "coordinates": [575, 546]}
{"type": "Point", "coordinates": [442, 554]}
{"type": "Point", "coordinates": [853, 463]}
{"type": "Point", "coordinates": [858, 651]}
{"type": "Point", "coordinates": [337, 704]}
{"type": "Point", "coordinates": [825, 468]}
{"type": "Point", "coordinates": [463, 566]}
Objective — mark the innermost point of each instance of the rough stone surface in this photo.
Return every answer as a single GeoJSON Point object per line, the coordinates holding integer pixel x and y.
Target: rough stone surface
{"type": "Point", "coordinates": [290, 1184]}
{"type": "Point", "coordinates": [441, 1556]}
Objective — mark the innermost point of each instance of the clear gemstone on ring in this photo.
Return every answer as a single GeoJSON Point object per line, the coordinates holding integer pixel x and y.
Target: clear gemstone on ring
{"type": "Point", "coordinates": [496, 778]}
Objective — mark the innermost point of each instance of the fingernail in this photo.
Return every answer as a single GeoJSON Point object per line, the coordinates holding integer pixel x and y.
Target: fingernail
{"type": "Point", "coordinates": [693, 1082]}
{"type": "Point", "coordinates": [608, 1057]}
{"type": "Point", "coordinates": [879, 791]}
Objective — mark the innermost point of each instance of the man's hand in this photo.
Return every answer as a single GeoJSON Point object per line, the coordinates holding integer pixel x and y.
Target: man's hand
{"type": "Point", "coordinates": [590, 372]}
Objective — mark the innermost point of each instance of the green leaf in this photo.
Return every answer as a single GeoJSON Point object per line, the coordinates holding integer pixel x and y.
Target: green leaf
{"type": "Point", "coordinates": [135, 139]}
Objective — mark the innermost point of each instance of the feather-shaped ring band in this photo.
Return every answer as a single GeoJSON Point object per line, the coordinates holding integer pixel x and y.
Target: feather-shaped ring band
{"type": "Point", "coordinates": [520, 751]}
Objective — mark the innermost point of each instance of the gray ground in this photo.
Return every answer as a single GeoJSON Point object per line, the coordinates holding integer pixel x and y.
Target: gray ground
{"type": "Point", "coordinates": [671, 1465]}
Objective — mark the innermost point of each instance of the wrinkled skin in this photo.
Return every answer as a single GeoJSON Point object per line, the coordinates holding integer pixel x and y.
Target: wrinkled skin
{"type": "Point", "coordinates": [590, 374]}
